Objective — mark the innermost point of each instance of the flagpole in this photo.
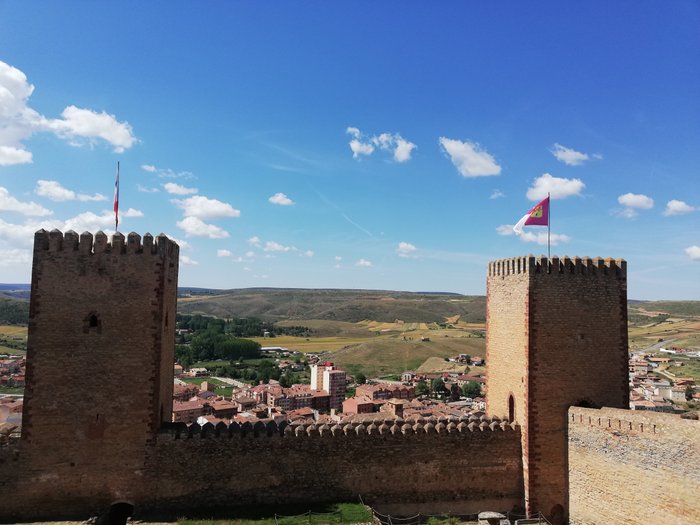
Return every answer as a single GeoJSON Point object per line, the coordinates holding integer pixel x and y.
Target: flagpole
{"type": "Point", "coordinates": [549, 226]}
{"type": "Point", "coordinates": [116, 201]}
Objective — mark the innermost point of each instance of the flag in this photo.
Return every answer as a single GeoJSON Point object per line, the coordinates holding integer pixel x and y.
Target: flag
{"type": "Point", "coordinates": [537, 216]}
{"type": "Point", "coordinates": [116, 200]}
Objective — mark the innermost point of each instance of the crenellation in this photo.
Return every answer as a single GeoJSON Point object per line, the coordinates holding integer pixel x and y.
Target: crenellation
{"type": "Point", "coordinates": [55, 241]}
{"type": "Point", "coordinates": [118, 245]}
{"type": "Point", "coordinates": [133, 241]}
{"type": "Point", "coordinates": [101, 243]}
{"type": "Point", "coordinates": [85, 243]}
{"type": "Point", "coordinates": [71, 241]}
{"type": "Point", "coordinates": [556, 265]}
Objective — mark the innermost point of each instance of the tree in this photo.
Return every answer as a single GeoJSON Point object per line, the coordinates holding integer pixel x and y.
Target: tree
{"type": "Point", "coordinates": [422, 388]}
{"type": "Point", "coordinates": [471, 389]}
{"type": "Point", "coordinates": [689, 391]}
{"type": "Point", "coordinates": [454, 392]}
{"type": "Point", "coordinates": [438, 387]}
{"type": "Point", "coordinates": [360, 378]}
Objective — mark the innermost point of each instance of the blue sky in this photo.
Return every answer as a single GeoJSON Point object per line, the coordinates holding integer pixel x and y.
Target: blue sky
{"type": "Point", "coordinates": [357, 145]}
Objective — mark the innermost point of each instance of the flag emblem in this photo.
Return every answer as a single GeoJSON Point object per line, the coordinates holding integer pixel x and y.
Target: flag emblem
{"type": "Point", "coordinates": [537, 216]}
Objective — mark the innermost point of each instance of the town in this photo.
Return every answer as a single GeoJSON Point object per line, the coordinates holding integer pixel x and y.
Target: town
{"type": "Point", "coordinates": [326, 394]}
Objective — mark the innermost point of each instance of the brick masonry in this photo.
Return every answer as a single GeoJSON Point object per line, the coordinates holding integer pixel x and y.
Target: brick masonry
{"type": "Point", "coordinates": [633, 467]}
{"type": "Point", "coordinates": [557, 336]}
{"type": "Point", "coordinates": [99, 375]}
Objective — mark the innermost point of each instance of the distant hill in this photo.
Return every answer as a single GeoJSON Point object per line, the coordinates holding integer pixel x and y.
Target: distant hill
{"type": "Point", "coordinates": [13, 311]}
{"type": "Point", "coordinates": [673, 308]}
{"type": "Point", "coordinates": [340, 305]}
{"type": "Point", "coordinates": [277, 304]}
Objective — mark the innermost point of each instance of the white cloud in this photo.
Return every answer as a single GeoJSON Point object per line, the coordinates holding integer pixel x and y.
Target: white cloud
{"type": "Point", "coordinates": [308, 253]}
{"type": "Point", "coordinates": [497, 194]}
{"type": "Point", "coordinates": [188, 261]}
{"type": "Point", "coordinates": [401, 147]}
{"type": "Point", "coordinates": [360, 145]}
{"type": "Point", "coordinates": [528, 236]}
{"type": "Point", "coordinates": [570, 156]}
{"type": "Point", "coordinates": [272, 246]}
{"type": "Point", "coordinates": [338, 258]}
{"type": "Point", "coordinates": [90, 221]}
{"type": "Point", "coordinates": [167, 173]}
{"type": "Point", "coordinates": [626, 213]}
{"type": "Point", "coordinates": [505, 229]}
{"type": "Point", "coordinates": [364, 263]}
{"type": "Point", "coordinates": [131, 212]}
{"type": "Point", "coordinates": [557, 187]}
{"type": "Point", "coordinates": [676, 207]}
{"type": "Point", "coordinates": [144, 189]}
{"type": "Point", "coordinates": [177, 189]}
{"type": "Point", "coordinates": [223, 253]}
{"type": "Point", "coordinates": [254, 241]}
{"type": "Point", "coordinates": [693, 252]}
{"type": "Point", "coordinates": [195, 227]}
{"type": "Point", "coordinates": [53, 190]}
{"type": "Point", "coordinates": [15, 256]}
{"type": "Point", "coordinates": [205, 208]}
{"type": "Point", "coordinates": [10, 155]}
{"type": "Point", "coordinates": [78, 125]}
{"type": "Point", "coordinates": [281, 199]}
{"type": "Point", "coordinates": [9, 203]}
{"type": "Point", "coordinates": [406, 249]}
{"type": "Point", "coordinates": [184, 245]}
{"type": "Point", "coordinates": [636, 200]}
{"type": "Point", "coordinates": [23, 234]}
{"type": "Point", "coordinates": [469, 158]}
{"type": "Point", "coordinates": [360, 148]}
{"type": "Point", "coordinates": [541, 238]}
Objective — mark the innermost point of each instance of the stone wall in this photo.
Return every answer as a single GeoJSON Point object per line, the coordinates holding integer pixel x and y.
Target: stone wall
{"type": "Point", "coordinates": [633, 467]}
{"type": "Point", "coordinates": [399, 468]}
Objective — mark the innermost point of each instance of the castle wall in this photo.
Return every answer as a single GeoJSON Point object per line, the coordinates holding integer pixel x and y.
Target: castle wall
{"type": "Point", "coordinates": [435, 467]}
{"type": "Point", "coordinates": [633, 467]}
{"type": "Point", "coordinates": [99, 368]}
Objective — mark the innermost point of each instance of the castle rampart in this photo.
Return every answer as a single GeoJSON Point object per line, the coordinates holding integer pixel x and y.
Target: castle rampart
{"type": "Point", "coordinates": [627, 466]}
{"type": "Point", "coordinates": [399, 466]}
{"type": "Point", "coordinates": [98, 400]}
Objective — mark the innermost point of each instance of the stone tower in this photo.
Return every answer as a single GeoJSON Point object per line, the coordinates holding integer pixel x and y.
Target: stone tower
{"type": "Point", "coordinates": [557, 337]}
{"type": "Point", "coordinates": [99, 365]}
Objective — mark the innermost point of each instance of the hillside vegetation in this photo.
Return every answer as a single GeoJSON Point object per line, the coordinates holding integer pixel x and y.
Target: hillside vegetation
{"type": "Point", "coordinates": [336, 305]}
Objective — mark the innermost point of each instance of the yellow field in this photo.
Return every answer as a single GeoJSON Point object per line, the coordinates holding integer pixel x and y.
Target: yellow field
{"type": "Point", "coordinates": [683, 332]}
{"type": "Point", "coordinates": [309, 344]}
{"type": "Point", "coordinates": [436, 365]}
{"type": "Point", "coordinates": [13, 331]}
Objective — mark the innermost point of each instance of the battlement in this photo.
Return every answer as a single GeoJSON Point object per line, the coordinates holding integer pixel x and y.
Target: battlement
{"type": "Point", "coordinates": [443, 425]}
{"type": "Point", "coordinates": [623, 421]}
{"type": "Point", "coordinates": [554, 265]}
{"type": "Point", "coordinates": [56, 241]}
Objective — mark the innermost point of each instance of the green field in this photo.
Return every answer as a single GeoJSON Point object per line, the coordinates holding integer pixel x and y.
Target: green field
{"type": "Point", "coordinates": [220, 387]}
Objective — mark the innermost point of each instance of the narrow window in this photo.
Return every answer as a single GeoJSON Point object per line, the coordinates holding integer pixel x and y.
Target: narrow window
{"type": "Point", "coordinates": [511, 408]}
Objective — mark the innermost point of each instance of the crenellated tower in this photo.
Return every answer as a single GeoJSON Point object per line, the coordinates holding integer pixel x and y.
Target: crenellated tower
{"type": "Point", "coordinates": [99, 364]}
{"type": "Point", "coordinates": [556, 337]}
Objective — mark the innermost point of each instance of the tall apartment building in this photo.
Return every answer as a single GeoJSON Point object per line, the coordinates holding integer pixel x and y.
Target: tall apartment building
{"type": "Point", "coordinates": [325, 376]}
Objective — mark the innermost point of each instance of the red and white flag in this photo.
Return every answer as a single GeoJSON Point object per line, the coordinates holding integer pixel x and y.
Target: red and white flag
{"type": "Point", "coordinates": [116, 200]}
{"type": "Point", "coordinates": [537, 216]}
